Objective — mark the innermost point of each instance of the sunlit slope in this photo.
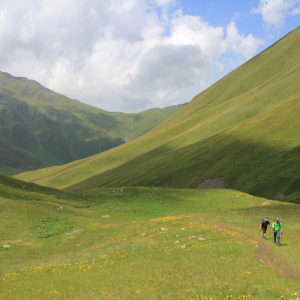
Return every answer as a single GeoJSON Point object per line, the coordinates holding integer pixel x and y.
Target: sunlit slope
{"type": "Point", "coordinates": [157, 243]}
{"type": "Point", "coordinates": [14, 189]}
{"type": "Point", "coordinates": [242, 129]}
{"type": "Point", "coordinates": [150, 246]}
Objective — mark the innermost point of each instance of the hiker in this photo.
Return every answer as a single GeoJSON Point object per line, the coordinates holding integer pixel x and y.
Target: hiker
{"type": "Point", "coordinates": [277, 230]}
{"type": "Point", "coordinates": [264, 226]}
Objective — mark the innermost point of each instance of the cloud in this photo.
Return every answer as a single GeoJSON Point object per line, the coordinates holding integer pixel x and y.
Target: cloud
{"type": "Point", "coordinates": [164, 2]}
{"type": "Point", "coordinates": [295, 11]}
{"type": "Point", "coordinates": [274, 12]}
{"type": "Point", "coordinates": [117, 56]}
{"type": "Point", "coordinates": [240, 45]}
{"type": "Point", "coordinates": [169, 65]}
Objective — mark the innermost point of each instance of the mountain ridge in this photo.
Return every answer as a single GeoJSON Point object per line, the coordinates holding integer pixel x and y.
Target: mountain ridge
{"type": "Point", "coordinates": [40, 128]}
{"type": "Point", "coordinates": [242, 129]}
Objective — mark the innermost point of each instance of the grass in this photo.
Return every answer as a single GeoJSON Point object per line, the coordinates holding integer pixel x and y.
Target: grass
{"type": "Point", "coordinates": [242, 129]}
{"type": "Point", "coordinates": [40, 128]}
{"type": "Point", "coordinates": [106, 237]}
{"type": "Point", "coordinates": [134, 254]}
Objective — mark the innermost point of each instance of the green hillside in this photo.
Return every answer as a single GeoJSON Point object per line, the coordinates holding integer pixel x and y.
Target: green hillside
{"type": "Point", "coordinates": [40, 128]}
{"type": "Point", "coordinates": [241, 132]}
{"type": "Point", "coordinates": [156, 244]}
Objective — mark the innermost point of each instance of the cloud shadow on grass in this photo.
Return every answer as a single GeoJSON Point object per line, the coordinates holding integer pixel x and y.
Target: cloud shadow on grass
{"type": "Point", "coordinates": [250, 167]}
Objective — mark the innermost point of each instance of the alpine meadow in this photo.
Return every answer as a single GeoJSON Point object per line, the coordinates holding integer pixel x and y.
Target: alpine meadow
{"type": "Point", "coordinates": [167, 203]}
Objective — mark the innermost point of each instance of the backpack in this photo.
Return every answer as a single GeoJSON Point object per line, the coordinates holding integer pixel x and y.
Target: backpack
{"type": "Point", "coordinates": [274, 223]}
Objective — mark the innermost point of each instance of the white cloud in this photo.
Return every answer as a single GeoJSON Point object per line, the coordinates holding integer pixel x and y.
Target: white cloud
{"type": "Point", "coordinates": [243, 46]}
{"type": "Point", "coordinates": [118, 56]}
{"type": "Point", "coordinates": [295, 11]}
{"type": "Point", "coordinates": [163, 2]}
{"type": "Point", "coordinates": [274, 12]}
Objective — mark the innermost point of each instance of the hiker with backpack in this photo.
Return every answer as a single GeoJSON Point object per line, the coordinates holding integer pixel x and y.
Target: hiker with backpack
{"type": "Point", "coordinates": [264, 226]}
{"type": "Point", "coordinates": [277, 230]}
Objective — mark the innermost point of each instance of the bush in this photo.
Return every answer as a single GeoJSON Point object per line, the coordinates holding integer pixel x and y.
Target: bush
{"type": "Point", "coordinates": [47, 227]}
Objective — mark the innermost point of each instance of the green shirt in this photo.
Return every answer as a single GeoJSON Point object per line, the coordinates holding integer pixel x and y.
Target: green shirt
{"type": "Point", "coordinates": [276, 226]}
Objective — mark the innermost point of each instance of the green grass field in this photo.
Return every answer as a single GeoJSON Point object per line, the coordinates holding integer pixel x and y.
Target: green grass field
{"type": "Point", "coordinates": [243, 130]}
{"type": "Point", "coordinates": [156, 244]}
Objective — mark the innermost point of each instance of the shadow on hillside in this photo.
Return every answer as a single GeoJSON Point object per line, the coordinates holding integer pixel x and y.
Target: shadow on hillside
{"type": "Point", "coordinates": [250, 167]}
{"type": "Point", "coordinates": [36, 134]}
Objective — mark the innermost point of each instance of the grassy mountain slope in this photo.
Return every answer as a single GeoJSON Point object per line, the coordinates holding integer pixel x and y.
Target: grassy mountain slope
{"type": "Point", "coordinates": [157, 243]}
{"type": "Point", "coordinates": [242, 130]}
{"type": "Point", "coordinates": [40, 128]}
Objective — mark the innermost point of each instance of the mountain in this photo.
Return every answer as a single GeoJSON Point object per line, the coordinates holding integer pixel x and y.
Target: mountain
{"type": "Point", "coordinates": [241, 133]}
{"type": "Point", "coordinates": [40, 128]}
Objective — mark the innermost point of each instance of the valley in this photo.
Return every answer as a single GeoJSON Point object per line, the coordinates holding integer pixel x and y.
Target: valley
{"type": "Point", "coordinates": [167, 243]}
{"type": "Point", "coordinates": [40, 128]}
{"type": "Point", "coordinates": [242, 129]}
{"type": "Point", "coordinates": [164, 204]}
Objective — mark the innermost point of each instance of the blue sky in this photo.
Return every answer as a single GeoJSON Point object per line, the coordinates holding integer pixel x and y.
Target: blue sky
{"type": "Point", "coordinates": [220, 12]}
{"type": "Point", "coordinates": [132, 55]}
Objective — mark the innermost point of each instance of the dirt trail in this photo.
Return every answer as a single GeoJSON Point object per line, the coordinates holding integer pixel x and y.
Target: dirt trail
{"type": "Point", "coordinates": [264, 251]}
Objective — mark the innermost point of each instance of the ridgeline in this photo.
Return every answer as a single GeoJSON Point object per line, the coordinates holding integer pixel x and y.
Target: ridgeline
{"type": "Point", "coordinates": [40, 128]}
{"type": "Point", "coordinates": [240, 133]}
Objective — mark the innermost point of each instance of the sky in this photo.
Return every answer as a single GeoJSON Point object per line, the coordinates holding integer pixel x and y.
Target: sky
{"type": "Point", "coordinates": [132, 55]}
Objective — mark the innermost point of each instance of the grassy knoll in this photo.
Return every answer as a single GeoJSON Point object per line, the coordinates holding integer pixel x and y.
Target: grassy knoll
{"type": "Point", "coordinates": [40, 128]}
{"type": "Point", "coordinates": [137, 252]}
{"type": "Point", "coordinates": [242, 129]}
